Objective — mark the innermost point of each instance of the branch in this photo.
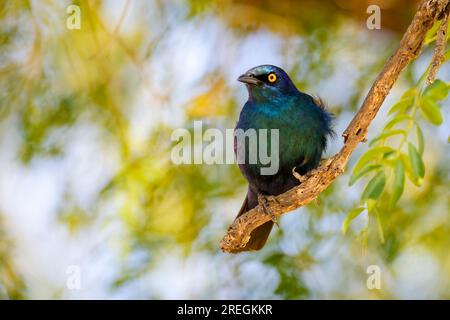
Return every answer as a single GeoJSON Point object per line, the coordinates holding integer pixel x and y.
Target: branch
{"type": "Point", "coordinates": [317, 180]}
{"type": "Point", "coordinates": [439, 51]}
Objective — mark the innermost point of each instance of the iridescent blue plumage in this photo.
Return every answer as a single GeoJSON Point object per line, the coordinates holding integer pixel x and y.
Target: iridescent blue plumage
{"type": "Point", "coordinates": [303, 126]}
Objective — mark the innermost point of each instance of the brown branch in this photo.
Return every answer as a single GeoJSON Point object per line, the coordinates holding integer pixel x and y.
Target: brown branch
{"type": "Point", "coordinates": [319, 179]}
{"type": "Point", "coordinates": [439, 51]}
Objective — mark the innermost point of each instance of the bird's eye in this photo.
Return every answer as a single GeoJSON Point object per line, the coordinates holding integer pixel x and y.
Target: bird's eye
{"type": "Point", "coordinates": [272, 77]}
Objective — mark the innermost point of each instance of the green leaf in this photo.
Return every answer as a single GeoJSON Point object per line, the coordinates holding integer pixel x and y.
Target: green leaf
{"type": "Point", "coordinates": [397, 119]}
{"type": "Point", "coordinates": [420, 143]}
{"type": "Point", "coordinates": [447, 55]}
{"type": "Point", "coordinates": [380, 225]}
{"type": "Point", "coordinates": [375, 187]}
{"type": "Point", "coordinates": [402, 105]}
{"type": "Point", "coordinates": [350, 217]}
{"type": "Point", "coordinates": [409, 171]}
{"type": "Point", "coordinates": [438, 90]}
{"type": "Point", "coordinates": [416, 161]}
{"type": "Point", "coordinates": [412, 92]}
{"type": "Point", "coordinates": [371, 154]}
{"type": "Point", "coordinates": [370, 205]}
{"type": "Point", "coordinates": [430, 110]}
{"type": "Point", "coordinates": [399, 182]}
{"type": "Point", "coordinates": [363, 172]}
{"type": "Point", "coordinates": [387, 135]}
{"type": "Point", "coordinates": [364, 236]}
{"type": "Point", "coordinates": [431, 33]}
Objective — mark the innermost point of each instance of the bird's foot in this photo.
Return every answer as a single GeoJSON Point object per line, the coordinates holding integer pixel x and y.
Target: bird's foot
{"type": "Point", "coordinates": [265, 201]}
{"type": "Point", "coordinates": [298, 176]}
{"type": "Point", "coordinates": [326, 162]}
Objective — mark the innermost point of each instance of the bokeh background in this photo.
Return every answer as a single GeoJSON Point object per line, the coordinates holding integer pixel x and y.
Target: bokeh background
{"type": "Point", "coordinates": [86, 178]}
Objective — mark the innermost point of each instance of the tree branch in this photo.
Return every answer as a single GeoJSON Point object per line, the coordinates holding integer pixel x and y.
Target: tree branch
{"type": "Point", "coordinates": [319, 179]}
{"type": "Point", "coordinates": [439, 51]}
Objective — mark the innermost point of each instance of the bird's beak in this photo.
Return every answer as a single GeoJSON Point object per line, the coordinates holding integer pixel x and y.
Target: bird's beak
{"type": "Point", "coordinates": [249, 79]}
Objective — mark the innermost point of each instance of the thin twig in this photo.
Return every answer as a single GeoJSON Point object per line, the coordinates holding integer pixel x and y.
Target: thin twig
{"type": "Point", "coordinates": [439, 51]}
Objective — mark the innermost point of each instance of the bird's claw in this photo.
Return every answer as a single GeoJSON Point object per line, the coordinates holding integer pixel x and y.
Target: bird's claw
{"type": "Point", "coordinates": [265, 201]}
{"type": "Point", "coordinates": [297, 175]}
{"type": "Point", "coordinates": [326, 162]}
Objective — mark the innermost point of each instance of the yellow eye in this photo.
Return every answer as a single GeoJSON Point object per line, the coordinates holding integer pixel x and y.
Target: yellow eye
{"type": "Point", "coordinates": [272, 77]}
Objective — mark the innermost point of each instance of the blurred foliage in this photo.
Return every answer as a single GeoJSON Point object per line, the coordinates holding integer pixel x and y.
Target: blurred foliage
{"type": "Point", "coordinates": [116, 75]}
{"type": "Point", "coordinates": [393, 154]}
{"type": "Point", "coordinates": [11, 285]}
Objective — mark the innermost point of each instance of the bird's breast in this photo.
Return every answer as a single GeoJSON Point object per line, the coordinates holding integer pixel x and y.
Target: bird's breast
{"type": "Point", "coordinates": [297, 144]}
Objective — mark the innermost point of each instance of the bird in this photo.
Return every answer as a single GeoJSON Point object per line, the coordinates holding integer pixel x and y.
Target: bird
{"type": "Point", "coordinates": [304, 126]}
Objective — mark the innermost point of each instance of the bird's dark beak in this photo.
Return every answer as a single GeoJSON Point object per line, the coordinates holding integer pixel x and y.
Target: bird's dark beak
{"type": "Point", "coordinates": [249, 79]}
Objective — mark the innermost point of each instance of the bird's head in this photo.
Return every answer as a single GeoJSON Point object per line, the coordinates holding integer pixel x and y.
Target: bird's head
{"type": "Point", "coordinates": [267, 82]}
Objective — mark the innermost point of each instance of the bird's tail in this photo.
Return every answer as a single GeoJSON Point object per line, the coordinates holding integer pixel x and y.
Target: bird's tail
{"type": "Point", "coordinates": [258, 237]}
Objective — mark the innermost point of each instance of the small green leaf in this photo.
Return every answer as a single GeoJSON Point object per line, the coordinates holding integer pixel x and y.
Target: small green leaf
{"type": "Point", "coordinates": [430, 110]}
{"type": "Point", "coordinates": [363, 172]}
{"type": "Point", "coordinates": [350, 217]}
{"type": "Point", "coordinates": [438, 90]}
{"type": "Point", "coordinates": [412, 92]}
{"type": "Point", "coordinates": [399, 182]}
{"type": "Point", "coordinates": [371, 154]}
{"type": "Point", "coordinates": [402, 105]}
{"type": "Point", "coordinates": [431, 33]}
{"type": "Point", "coordinates": [420, 143]}
{"type": "Point", "coordinates": [416, 161]}
{"type": "Point", "coordinates": [364, 238]}
{"type": "Point", "coordinates": [375, 187]}
{"type": "Point", "coordinates": [387, 154]}
{"type": "Point", "coordinates": [409, 171]}
{"type": "Point", "coordinates": [380, 225]}
{"type": "Point", "coordinates": [370, 205]}
{"type": "Point", "coordinates": [386, 135]}
{"type": "Point", "coordinates": [447, 55]}
{"type": "Point", "coordinates": [397, 119]}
